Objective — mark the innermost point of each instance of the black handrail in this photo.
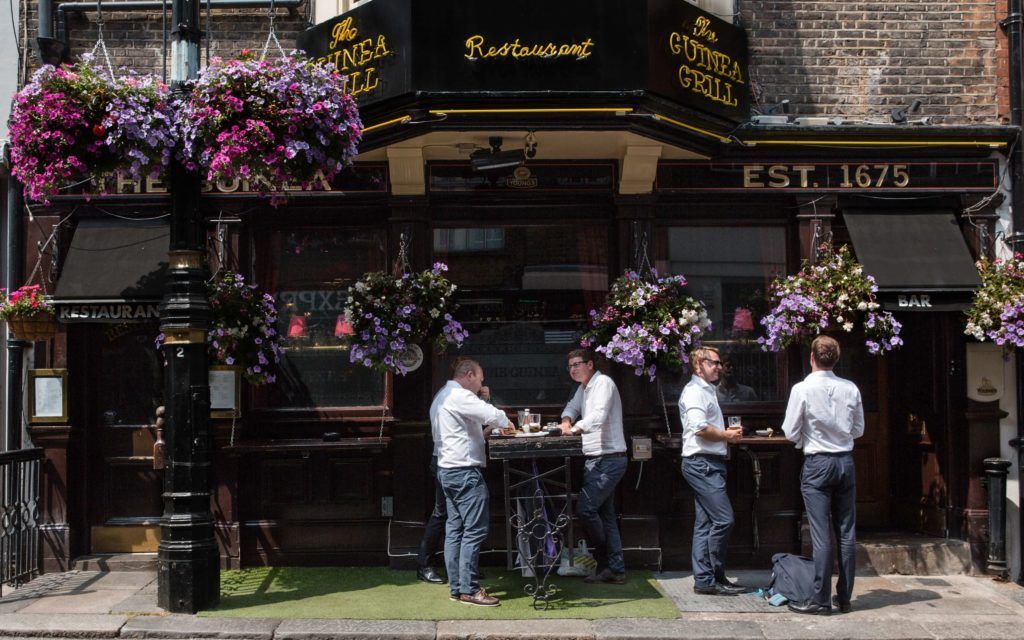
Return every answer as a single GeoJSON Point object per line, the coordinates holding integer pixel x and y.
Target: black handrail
{"type": "Point", "coordinates": [20, 473]}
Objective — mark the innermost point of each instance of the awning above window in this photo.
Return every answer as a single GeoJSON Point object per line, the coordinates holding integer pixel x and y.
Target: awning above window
{"type": "Point", "coordinates": [920, 260]}
{"type": "Point", "coordinates": [112, 260]}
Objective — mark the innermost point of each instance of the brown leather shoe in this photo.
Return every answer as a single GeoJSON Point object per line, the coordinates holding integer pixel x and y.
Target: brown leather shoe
{"type": "Point", "coordinates": [479, 599]}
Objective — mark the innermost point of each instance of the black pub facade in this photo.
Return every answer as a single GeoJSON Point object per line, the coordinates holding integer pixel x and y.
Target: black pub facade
{"type": "Point", "coordinates": [539, 149]}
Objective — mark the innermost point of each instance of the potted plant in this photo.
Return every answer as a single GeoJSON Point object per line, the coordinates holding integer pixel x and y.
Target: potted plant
{"type": "Point", "coordinates": [28, 313]}
{"type": "Point", "coordinates": [274, 123]}
{"type": "Point", "coordinates": [388, 314]}
{"type": "Point", "coordinates": [647, 323]}
{"type": "Point", "coordinates": [834, 295]}
{"type": "Point", "coordinates": [997, 310]}
{"type": "Point", "coordinates": [73, 122]}
{"type": "Point", "coordinates": [243, 329]}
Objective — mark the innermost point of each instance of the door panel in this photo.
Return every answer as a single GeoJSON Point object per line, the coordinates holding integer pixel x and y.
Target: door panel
{"type": "Point", "coordinates": [124, 387]}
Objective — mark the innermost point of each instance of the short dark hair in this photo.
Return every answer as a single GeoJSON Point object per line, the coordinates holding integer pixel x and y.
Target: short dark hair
{"type": "Point", "coordinates": [585, 354]}
{"type": "Point", "coordinates": [825, 351]}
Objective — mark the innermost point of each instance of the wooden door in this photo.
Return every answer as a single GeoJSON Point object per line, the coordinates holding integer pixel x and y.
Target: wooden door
{"type": "Point", "coordinates": [123, 388]}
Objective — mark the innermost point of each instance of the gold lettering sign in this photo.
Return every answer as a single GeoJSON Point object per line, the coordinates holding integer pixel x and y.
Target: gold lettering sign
{"type": "Point", "coordinates": [353, 56]}
{"type": "Point", "coordinates": [476, 49]}
{"type": "Point", "coordinates": [705, 70]}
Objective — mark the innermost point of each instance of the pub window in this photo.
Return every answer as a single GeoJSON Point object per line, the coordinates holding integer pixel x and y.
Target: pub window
{"type": "Point", "coordinates": [731, 269]}
{"type": "Point", "coordinates": [524, 292]}
{"type": "Point", "coordinates": [309, 272]}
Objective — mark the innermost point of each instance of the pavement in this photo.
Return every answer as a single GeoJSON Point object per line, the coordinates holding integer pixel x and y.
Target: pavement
{"type": "Point", "coordinates": [97, 604]}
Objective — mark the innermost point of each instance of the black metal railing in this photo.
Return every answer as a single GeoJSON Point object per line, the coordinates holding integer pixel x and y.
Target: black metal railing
{"type": "Point", "coordinates": [19, 515]}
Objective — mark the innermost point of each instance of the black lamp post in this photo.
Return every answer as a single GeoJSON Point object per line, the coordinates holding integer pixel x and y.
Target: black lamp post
{"type": "Point", "coordinates": [188, 575]}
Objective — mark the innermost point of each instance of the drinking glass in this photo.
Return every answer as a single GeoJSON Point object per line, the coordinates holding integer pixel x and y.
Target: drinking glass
{"type": "Point", "coordinates": [735, 422]}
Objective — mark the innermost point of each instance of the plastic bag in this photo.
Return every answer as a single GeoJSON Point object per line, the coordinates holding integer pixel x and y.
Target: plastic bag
{"type": "Point", "coordinates": [583, 562]}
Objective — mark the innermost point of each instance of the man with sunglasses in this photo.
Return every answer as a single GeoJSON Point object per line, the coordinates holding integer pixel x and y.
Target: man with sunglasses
{"type": "Point", "coordinates": [595, 411]}
{"type": "Point", "coordinates": [705, 446]}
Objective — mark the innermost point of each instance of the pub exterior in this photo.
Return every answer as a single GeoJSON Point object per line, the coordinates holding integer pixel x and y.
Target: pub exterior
{"type": "Point", "coordinates": [645, 133]}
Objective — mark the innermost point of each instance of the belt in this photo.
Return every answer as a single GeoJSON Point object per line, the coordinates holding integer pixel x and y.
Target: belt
{"type": "Point", "coordinates": [829, 454]}
{"type": "Point", "coordinates": [617, 454]}
{"type": "Point", "coordinates": [716, 456]}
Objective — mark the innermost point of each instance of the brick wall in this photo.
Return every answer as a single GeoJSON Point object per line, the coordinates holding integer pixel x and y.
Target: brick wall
{"type": "Point", "coordinates": [859, 60]}
{"type": "Point", "coordinates": [853, 59]}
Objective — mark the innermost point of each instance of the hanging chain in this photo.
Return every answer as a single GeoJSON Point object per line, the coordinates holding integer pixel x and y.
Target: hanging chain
{"type": "Point", "coordinates": [402, 265]}
{"type": "Point", "coordinates": [272, 36]}
{"type": "Point", "coordinates": [641, 260]}
{"type": "Point", "coordinates": [384, 409]}
{"type": "Point", "coordinates": [99, 38]}
{"type": "Point", "coordinates": [664, 409]}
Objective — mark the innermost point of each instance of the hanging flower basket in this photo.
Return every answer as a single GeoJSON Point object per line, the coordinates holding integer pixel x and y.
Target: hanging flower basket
{"type": "Point", "coordinates": [243, 329]}
{"type": "Point", "coordinates": [74, 122]}
{"type": "Point", "coordinates": [834, 295]}
{"type": "Point", "coordinates": [388, 314]}
{"type": "Point", "coordinates": [997, 310]}
{"type": "Point", "coordinates": [274, 123]}
{"type": "Point", "coordinates": [28, 313]}
{"type": "Point", "coordinates": [647, 323]}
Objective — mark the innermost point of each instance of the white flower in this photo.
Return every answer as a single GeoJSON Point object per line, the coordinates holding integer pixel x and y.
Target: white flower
{"type": "Point", "coordinates": [862, 306]}
{"type": "Point", "coordinates": [848, 327]}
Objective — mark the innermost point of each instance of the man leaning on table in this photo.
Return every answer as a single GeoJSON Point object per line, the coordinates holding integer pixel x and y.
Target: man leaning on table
{"type": "Point", "coordinates": [705, 447]}
{"type": "Point", "coordinates": [824, 416]}
{"type": "Point", "coordinates": [595, 411]}
{"type": "Point", "coordinates": [462, 422]}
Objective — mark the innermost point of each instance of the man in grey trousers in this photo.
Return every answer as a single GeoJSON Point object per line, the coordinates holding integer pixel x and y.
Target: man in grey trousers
{"type": "Point", "coordinates": [824, 416]}
{"type": "Point", "coordinates": [705, 446]}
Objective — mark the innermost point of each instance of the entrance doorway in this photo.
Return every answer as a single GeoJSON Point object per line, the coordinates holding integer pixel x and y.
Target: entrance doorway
{"type": "Point", "coordinates": [122, 388]}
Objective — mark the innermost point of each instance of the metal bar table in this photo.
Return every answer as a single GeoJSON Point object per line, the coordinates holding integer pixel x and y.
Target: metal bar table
{"type": "Point", "coordinates": [535, 526]}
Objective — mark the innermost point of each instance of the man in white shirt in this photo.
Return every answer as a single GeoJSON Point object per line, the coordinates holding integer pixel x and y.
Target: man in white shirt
{"type": "Point", "coordinates": [460, 423]}
{"type": "Point", "coordinates": [595, 411]}
{"type": "Point", "coordinates": [824, 416]}
{"type": "Point", "coordinates": [705, 447]}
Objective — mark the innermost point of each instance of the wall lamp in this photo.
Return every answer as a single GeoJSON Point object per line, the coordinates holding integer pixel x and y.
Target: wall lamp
{"type": "Point", "coordinates": [494, 158]}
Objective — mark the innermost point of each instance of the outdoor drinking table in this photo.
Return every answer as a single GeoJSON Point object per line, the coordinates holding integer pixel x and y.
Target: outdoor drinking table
{"type": "Point", "coordinates": [543, 534]}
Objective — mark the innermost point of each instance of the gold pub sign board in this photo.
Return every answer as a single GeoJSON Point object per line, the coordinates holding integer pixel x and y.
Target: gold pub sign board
{"type": "Point", "coordinates": [574, 49]}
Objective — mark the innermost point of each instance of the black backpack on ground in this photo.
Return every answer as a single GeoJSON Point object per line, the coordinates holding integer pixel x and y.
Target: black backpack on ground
{"type": "Point", "coordinates": [792, 577]}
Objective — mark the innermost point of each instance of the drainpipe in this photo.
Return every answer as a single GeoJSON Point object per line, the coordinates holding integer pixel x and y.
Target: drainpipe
{"type": "Point", "coordinates": [51, 50]}
{"type": "Point", "coordinates": [1012, 25]}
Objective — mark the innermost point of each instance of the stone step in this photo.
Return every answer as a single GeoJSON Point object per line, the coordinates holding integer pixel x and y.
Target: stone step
{"type": "Point", "coordinates": [116, 562]}
{"type": "Point", "coordinates": [907, 554]}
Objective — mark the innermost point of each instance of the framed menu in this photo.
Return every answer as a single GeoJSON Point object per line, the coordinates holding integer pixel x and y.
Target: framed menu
{"type": "Point", "coordinates": [47, 396]}
{"type": "Point", "coordinates": [225, 391]}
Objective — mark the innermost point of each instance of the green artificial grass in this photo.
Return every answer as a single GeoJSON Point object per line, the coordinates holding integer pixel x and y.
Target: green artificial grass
{"type": "Point", "coordinates": [378, 593]}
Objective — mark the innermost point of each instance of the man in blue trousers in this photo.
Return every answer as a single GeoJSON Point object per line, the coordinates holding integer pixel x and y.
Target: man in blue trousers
{"type": "Point", "coordinates": [705, 447]}
{"type": "Point", "coordinates": [462, 421]}
{"type": "Point", "coordinates": [824, 416]}
{"type": "Point", "coordinates": [595, 412]}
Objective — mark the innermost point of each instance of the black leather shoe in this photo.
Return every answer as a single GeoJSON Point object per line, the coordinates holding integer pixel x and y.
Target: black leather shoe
{"type": "Point", "coordinates": [844, 607]}
{"type": "Point", "coordinates": [715, 590]}
{"type": "Point", "coordinates": [732, 588]}
{"type": "Point", "coordinates": [810, 608]}
{"type": "Point", "coordinates": [428, 574]}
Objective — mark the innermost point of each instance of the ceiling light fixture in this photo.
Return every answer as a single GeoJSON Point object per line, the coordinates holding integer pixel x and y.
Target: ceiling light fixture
{"type": "Point", "coordinates": [494, 158]}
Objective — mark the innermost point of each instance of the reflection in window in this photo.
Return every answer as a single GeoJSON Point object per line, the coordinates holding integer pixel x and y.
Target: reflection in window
{"type": "Point", "coordinates": [731, 269]}
{"type": "Point", "coordinates": [309, 272]}
{"type": "Point", "coordinates": [525, 302]}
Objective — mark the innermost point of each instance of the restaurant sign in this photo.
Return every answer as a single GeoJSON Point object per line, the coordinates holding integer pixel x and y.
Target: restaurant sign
{"type": "Point", "coordinates": [857, 176]}
{"type": "Point", "coordinates": [108, 312]}
{"type": "Point", "coordinates": [455, 48]}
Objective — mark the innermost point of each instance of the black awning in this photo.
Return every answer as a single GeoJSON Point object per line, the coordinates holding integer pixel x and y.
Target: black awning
{"type": "Point", "coordinates": [920, 260]}
{"type": "Point", "coordinates": [113, 260]}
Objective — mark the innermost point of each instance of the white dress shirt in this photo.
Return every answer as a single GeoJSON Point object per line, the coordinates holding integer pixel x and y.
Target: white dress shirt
{"type": "Point", "coordinates": [457, 421]}
{"type": "Point", "coordinates": [698, 407]}
{"type": "Point", "coordinates": [825, 414]}
{"type": "Point", "coordinates": [597, 412]}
